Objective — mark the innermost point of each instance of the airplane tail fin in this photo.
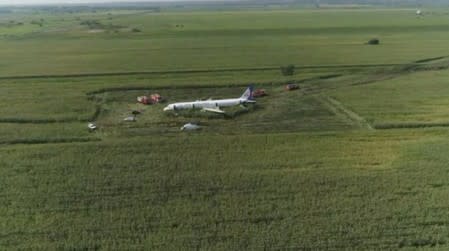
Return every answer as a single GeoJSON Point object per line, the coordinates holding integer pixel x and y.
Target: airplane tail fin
{"type": "Point", "coordinates": [248, 94]}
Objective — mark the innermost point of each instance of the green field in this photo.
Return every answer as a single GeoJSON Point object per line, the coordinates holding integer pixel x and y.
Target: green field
{"type": "Point", "coordinates": [354, 159]}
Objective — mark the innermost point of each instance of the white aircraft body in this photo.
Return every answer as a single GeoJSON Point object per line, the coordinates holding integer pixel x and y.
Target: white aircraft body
{"type": "Point", "coordinates": [190, 127]}
{"type": "Point", "coordinates": [91, 126]}
{"type": "Point", "coordinates": [213, 105]}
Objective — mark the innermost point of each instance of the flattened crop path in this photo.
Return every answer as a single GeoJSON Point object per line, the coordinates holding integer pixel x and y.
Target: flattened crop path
{"type": "Point", "coordinates": [340, 110]}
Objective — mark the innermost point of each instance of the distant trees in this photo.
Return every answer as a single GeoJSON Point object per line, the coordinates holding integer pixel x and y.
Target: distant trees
{"type": "Point", "coordinates": [92, 24]}
{"type": "Point", "coordinates": [288, 70]}
{"type": "Point", "coordinates": [11, 24]}
{"type": "Point", "coordinates": [95, 24]}
{"type": "Point", "coordinates": [39, 22]}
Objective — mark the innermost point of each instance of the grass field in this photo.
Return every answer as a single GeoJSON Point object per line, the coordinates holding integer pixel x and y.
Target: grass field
{"type": "Point", "coordinates": [420, 97]}
{"type": "Point", "coordinates": [354, 159]}
{"type": "Point", "coordinates": [216, 40]}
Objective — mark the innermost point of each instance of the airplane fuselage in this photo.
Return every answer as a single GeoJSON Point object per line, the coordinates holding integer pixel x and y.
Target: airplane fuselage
{"type": "Point", "coordinates": [213, 105]}
{"type": "Point", "coordinates": [205, 104]}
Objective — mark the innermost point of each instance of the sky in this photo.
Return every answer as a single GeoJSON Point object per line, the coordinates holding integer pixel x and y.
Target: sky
{"type": "Point", "coordinates": [21, 2]}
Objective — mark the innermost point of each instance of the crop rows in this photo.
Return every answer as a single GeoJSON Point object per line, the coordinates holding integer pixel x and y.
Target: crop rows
{"type": "Point", "coordinates": [156, 200]}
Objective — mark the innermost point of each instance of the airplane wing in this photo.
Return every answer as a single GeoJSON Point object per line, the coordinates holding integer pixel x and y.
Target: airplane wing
{"type": "Point", "coordinates": [216, 110]}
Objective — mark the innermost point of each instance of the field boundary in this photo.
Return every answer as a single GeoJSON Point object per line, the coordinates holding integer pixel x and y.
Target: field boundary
{"type": "Point", "coordinates": [426, 60]}
{"type": "Point", "coordinates": [204, 86]}
{"type": "Point", "coordinates": [188, 71]}
{"type": "Point", "coordinates": [416, 63]}
{"type": "Point", "coordinates": [39, 121]}
{"type": "Point", "coordinates": [12, 120]}
{"type": "Point", "coordinates": [339, 109]}
{"type": "Point", "coordinates": [409, 125]}
{"type": "Point", "coordinates": [47, 141]}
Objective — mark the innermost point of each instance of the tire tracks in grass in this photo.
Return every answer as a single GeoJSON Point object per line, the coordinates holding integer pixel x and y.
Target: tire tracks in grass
{"type": "Point", "coordinates": [341, 111]}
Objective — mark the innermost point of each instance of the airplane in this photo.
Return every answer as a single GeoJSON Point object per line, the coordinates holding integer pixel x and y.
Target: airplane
{"type": "Point", "coordinates": [213, 105]}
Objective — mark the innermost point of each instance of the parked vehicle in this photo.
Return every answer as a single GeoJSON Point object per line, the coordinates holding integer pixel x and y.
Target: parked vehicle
{"type": "Point", "coordinates": [291, 87]}
{"type": "Point", "coordinates": [259, 93]}
{"type": "Point", "coordinates": [151, 100]}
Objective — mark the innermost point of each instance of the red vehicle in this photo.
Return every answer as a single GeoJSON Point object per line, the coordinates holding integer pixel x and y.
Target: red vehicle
{"type": "Point", "coordinates": [153, 99]}
{"type": "Point", "coordinates": [291, 87]}
{"type": "Point", "coordinates": [143, 99]}
{"type": "Point", "coordinates": [259, 93]}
